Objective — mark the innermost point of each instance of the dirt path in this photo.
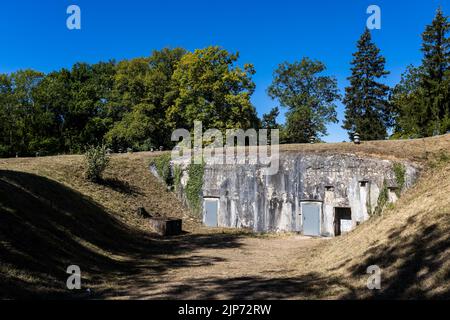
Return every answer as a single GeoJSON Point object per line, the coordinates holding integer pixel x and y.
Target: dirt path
{"type": "Point", "coordinates": [251, 267]}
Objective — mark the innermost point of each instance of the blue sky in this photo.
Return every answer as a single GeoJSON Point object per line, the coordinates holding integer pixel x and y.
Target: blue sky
{"type": "Point", "coordinates": [266, 33]}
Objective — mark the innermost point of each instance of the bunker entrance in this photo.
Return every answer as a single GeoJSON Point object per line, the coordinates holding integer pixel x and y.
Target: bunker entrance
{"type": "Point", "coordinates": [311, 212]}
{"type": "Point", "coordinates": [210, 211]}
{"type": "Point", "coordinates": [342, 220]}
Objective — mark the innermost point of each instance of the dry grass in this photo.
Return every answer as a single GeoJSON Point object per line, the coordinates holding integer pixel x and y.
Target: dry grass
{"type": "Point", "coordinates": [51, 217]}
{"type": "Point", "coordinates": [417, 150]}
{"type": "Point", "coordinates": [127, 185]}
{"type": "Point", "coordinates": [410, 242]}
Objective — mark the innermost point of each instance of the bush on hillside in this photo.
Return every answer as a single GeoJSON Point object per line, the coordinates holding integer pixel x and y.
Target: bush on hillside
{"type": "Point", "coordinates": [96, 160]}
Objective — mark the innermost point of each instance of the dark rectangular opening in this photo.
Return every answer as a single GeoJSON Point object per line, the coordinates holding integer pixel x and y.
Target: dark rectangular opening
{"type": "Point", "coordinates": [341, 214]}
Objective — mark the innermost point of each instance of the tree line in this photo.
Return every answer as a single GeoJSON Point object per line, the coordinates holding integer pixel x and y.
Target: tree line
{"type": "Point", "coordinates": [137, 103]}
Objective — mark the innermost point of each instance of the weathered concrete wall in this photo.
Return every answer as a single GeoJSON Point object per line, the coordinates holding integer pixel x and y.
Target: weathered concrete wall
{"type": "Point", "coordinates": [247, 199]}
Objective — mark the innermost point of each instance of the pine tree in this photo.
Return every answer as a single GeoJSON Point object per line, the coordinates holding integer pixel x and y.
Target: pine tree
{"type": "Point", "coordinates": [435, 79]}
{"type": "Point", "coordinates": [367, 109]}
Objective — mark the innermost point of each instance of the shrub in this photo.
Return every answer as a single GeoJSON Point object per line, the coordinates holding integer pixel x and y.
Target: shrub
{"type": "Point", "coordinates": [96, 161]}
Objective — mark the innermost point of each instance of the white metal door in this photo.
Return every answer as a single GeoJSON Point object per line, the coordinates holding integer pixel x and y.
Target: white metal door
{"type": "Point", "coordinates": [211, 209]}
{"type": "Point", "coordinates": [311, 218]}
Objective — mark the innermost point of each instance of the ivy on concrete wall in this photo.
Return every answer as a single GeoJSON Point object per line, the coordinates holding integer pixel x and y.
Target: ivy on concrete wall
{"type": "Point", "coordinates": [171, 175]}
{"type": "Point", "coordinates": [177, 173]}
{"type": "Point", "coordinates": [400, 172]}
{"type": "Point", "coordinates": [383, 199]}
{"type": "Point", "coordinates": [162, 165]}
{"type": "Point", "coordinates": [194, 186]}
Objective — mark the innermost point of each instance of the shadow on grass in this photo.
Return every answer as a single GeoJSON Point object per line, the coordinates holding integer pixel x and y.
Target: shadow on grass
{"type": "Point", "coordinates": [119, 186]}
{"type": "Point", "coordinates": [45, 227]}
{"type": "Point", "coordinates": [309, 286]}
{"type": "Point", "coordinates": [418, 256]}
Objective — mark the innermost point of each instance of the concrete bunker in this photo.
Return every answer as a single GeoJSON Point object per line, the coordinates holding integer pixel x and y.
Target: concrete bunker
{"type": "Point", "coordinates": [313, 194]}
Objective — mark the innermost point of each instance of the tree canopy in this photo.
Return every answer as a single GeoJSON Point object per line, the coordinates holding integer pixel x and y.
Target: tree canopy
{"type": "Point", "coordinates": [309, 97]}
{"type": "Point", "coordinates": [130, 104]}
{"type": "Point", "coordinates": [137, 103]}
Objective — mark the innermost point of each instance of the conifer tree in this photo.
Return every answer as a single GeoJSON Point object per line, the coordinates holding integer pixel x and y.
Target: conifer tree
{"type": "Point", "coordinates": [435, 78]}
{"type": "Point", "coordinates": [367, 109]}
{"type": "Point", "coordinates": [422, 99]}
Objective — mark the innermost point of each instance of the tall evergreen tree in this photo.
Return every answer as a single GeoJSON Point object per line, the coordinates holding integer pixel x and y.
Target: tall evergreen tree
{"type": "Point", "coordinates": [367, 110]}
{"type": "Point", "coordinates": [435, 78]}
{"type": "Point", "coordinates": [406, 101]}
{"type": "Point", "coordinates": [422, 99]}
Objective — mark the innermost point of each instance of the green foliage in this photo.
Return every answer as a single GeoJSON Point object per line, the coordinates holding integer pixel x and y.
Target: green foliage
{"type": "Point", "coordinates": [422, 99]}
{"type": "Point", "coordinates": [440, 160]}
{"type": "Point", "coordinates": [131, 104]}
{"type": "Point", "coordinates": [383, 199]}
{"type": "Point", "coordinates": [137, 103]}
{"type": "Point", "coordinates": [406, 102]}
{"type": "Point", "coordinates": [400, 172]}
{"type": "Point", "coordinates": [96, 161]}
{"type": "Point", "coordinates": [194, 187]}
{"type": "Point", "coordinates": [269, 120]}
{"type": "Point", "coordinates": [163, 168]}
{"type": "Point", "coordinates": [369, 205]}
{"type": "Point", "coordinates": [177, 173]}
{"type": "Point", "coordinates": [367, 110]}
{"type": "Point", "coordinates": [134, 129]}
{"type": "Point", "coordinates": [209, 87]}
{"type": "Point", "coordinates": [308, 96]}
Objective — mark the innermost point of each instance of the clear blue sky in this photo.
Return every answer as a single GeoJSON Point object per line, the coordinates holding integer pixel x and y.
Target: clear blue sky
{"type": "Point", "coordinates": [266, 33]}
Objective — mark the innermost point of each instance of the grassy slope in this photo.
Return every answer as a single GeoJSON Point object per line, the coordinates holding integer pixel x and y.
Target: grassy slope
{"type": "Point", "coordinates": [50, 217]}
{"type": "Point", "coordinates": [410, 242]}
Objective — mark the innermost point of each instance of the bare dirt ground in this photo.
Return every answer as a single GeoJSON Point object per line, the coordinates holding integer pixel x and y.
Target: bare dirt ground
{"type": "Point", "coordinates": [233, 268]}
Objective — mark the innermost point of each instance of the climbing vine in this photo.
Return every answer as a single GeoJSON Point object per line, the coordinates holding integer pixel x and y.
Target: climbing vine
{"type": "Point", "coordinates": [400, 172]}
{"type": "Point", "coordinates": [171, 175]}
{"type": "Point", "coordinates": [177, 173]}
{"type": "Point", "coordinates": [162, 165]}
{"type": "Point", "coordinates": [383, 199]}
{"type": "Point", "coordinates": [369, 203]}
{"type": "Point", "coordinates": [194, 187]}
